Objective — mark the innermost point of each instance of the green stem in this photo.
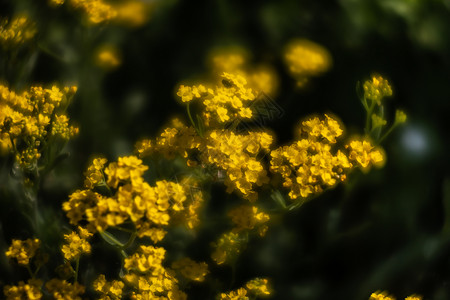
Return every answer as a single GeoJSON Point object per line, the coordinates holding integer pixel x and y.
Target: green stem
{"type": "Point", "coordinates": [368, 117]}
{"type": "Point", "coordinates": [77, 266]}
{"type": "Point", "coordinates": [29, 271]}
{"type": "Point", "coordinates": [386, 134]}
{"type": "Point", "coordinates": [191, 119]}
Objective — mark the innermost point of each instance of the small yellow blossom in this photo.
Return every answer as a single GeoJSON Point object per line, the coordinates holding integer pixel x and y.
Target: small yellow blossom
{"type": "Point", "coordinates": [381, 296]}
{"type": "Point", "coordinates": [16, 31]}
{"type": "Point", "coordinates": [190, 269]}
{"type": "Point", "coordinates": [414, 297]}
{"type": "Point", "coordinates": [23, 251]}
{"type": "Point", "coordinates": [227, 248]}
{"type": "Point", "coordinates": [62, 290]}
{"type": "Point", "coordinates": [30, 290]}
{"type": "Point", "coordinates": [56, 2]}
{"type": "Point", "coordinates": [76, 245]}
{"type": "Point", "coordinates": [94, 174]}
{"type": "Point", "coordinates": [376, 89]}
{"type": "Point", "coordinates": [132, 13]}
{"type": "Point", "coordinates": [258, 287]}
{"type": "Point", "coordinates": [400, 116]}
{"type": "Point", "coordinates": [239, 294]}
{"type": "Point", "coordinates": [365, 154]}
{"type": "Point", "coordinates": [108, 57]}
{"type": "Point", "coordinates": [108, 290]}
{"type": "Point", "coordinates": [246, 217]}
{"type": "Point", "coordinates": [305, 59]}
{"type": "Point", "coordinates": [97, 11]}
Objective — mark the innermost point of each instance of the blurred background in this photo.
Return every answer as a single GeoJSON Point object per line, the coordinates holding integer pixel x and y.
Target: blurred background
{"type": "Point", "coordinates": [389, 231]}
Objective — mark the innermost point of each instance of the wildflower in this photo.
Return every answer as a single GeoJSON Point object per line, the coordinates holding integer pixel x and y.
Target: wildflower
{"type": "Point", "coordinates": [376, 89]}
{"type": "Point", "coordinates": [16, 31]}
{"type": "Point", "coordinates": [400, 117]}
{"type": "Point", "coordinates": [56, 2]}
{"type": "Point", "coordinates": [310, 164]}
{"type": "Point", "coordinates": [26, 117]}
{"type": "Point", "coordinates": [97, 11]}
{"type": "Point", "coordinates": [190, 269]}
{"type": "Point", "coordinates": [94, 174]}
{"type": "Point", "coordinates": [258, 287]}
{"type": "Point", "coordinates": [305, 59]}
{"type": "Point", "coordinates": [414, 297]}
{"type": "Point", "coordinates": [76, 244]}
{"type": "Point", "coordinates": [227, 248]}
{"type": "Point", "coordinates": [61, 289]}
{"type": "Point", "coordinates": [377, 121]}
{"type": "Point", "coordinates": [246, 217]}
{"type": "Point", "coordinates": [30, 290]}
{"type": "Point", "coordinates": [107, 57]}
{"type": "Point", "coordinates": [132, 13]}
{"type": "Point", "coordinates": [108, 290]}
{"type": "Point", "coordinates": [365, 154]}
{"type": "Point", "coordinates": [239, 294]}
{"type": "Point", "coordinates": [381, 296]}
{"type": "Point", "coordinates": [23, 251]}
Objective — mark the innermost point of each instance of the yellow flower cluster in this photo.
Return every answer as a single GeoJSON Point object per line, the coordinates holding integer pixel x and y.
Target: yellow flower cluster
{"type": "Point", "coordinates": [76, 244]}
{"type": "Point", "coordinates": [365, 154]}
{"type": "Point", "coordinates": [29, 119]}
{"type": "Point", "coordinates": [131, 13]}
{"type": "Point", "coordinates": [108, 290]}
{"type": "Point", "coordinates": [227, 248]}
{"type": "Point", "coordinates": [23, 251]}
{"type": "Point", "coordinates": [147, 275]}
{"type": "Point", "coordinates": [97, 11]}
{"type": "Point", "coordinates": [107, 57]}
{"type": "Point", "coordinates": [63, 290]}
{"type": "Point", "coordinates": [190, 269]}
{"type": "Point", "coordinates": [194, 203]}
{"type": "Point", "coordinates": [309, 165]}
{"type": "Point", "coordinates": [223, 103]}
{"type": "Point", "coordinates": [30, 290]}
{"type": "Point", "coordinates": [94, 175]}
{"type": "Point", "coordinates": [178, 139]}
{"type": "Point", "coordinates": [236, 154]}
{"type": "Point", "coordinates": [233, 156]}
{"type": "Point", "coordinates": [376, 89]}
{"type": "Point", "coordinates": [246, 217]}
{"type": "Point", "coordinates": [56, 2]}
{"type": "Point", "coordinates": [257, 287]}
{"type": "Point", "coordinates": [261, 78]}
{"type": "Point", "coordinates": [386, 296]}
{"type": "Point", "coordinates": [305, 59]}
{"type": "Point", "coordinates": [16, 31]}
{"type": "Point", "coordinates": [147, 207]}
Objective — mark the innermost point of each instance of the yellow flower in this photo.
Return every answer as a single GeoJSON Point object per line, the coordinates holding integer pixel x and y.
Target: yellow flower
{"type": "Point", "coordinates": [62, 290]}
{"type": "Point", "coordinates": [239, 294]}
{"type": "Point", "coordinates": [190, 269]}
{"type": "Point", "coordinates": [381, 296]}
{"type": "Point", "coordinates": [94, 174]}
{"type": "Point", "coordinates": [75, 245]}
{"type": "Point", "coordinates": [31, 290]}
{"type": "Point", "coordinates": [365, 154]}
{"type": "Point", "coordinates": [16, 31]}
{"type": "Point", "coordinates": [376, 89]}
{"type": "Point", "coordinates": [305, 59]}
{"type": "Point", "coordinates": [108, 57]}
{"type": "Point", "coordinates": [108, 290]}
{"type": "Point", "coordinates": [400, 116]}
{"type": "Point", "coordinates": [259, 287]}
{"type": "Point", "coordinates": [23, 251]}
